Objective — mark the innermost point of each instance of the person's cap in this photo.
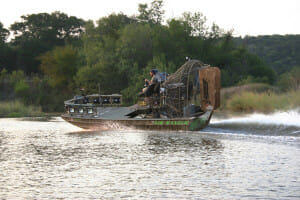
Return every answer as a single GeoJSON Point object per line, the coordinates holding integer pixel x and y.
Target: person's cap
{"type": "Point", "coordinates": [154, 71]}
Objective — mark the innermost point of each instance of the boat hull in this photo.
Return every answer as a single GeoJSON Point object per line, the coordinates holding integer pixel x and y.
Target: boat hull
{"type": "Point", "coordinates": [179, 124]}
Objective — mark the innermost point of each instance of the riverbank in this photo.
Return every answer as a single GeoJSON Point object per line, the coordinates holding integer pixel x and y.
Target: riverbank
{"type": "Point", "coordinates": [18, 109]}
{"type": "Point", "coordinates": [244, 99]}
{"type": "Point", "coordinates": [261, 98]}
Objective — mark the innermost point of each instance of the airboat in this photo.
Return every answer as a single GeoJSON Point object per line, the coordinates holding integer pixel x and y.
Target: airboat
{"type": "Point", "coordinates": [184, 101]}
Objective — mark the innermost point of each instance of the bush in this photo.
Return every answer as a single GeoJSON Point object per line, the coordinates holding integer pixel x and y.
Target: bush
{"type": "Point", "coordinates": [228, 93]}
{"type": "Point", "coordinates": [251, 79]}
{"type": "Point", "coordinates": [263, 102]}
{"type": "Point", "coordinates": [263, 72]}
{"type": "Point", "coordinates": [22, 89]}
{"type": "Point", "coordinates": [290, 80]}
{"type": "Point", "coordinates": [18, 109]}
{"type": "Point", "coordinates": [16, 76]}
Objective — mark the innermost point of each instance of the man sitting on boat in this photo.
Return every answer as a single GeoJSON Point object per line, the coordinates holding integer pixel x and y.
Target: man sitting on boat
{"type": "Point", "coordinates": [152, 86]}
{"type": "Point", "coordinates": [155, 77]}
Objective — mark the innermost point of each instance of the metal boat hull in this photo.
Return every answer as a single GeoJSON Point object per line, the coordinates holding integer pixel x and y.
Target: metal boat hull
{"type": "Point", "coordinates": [182, 124]}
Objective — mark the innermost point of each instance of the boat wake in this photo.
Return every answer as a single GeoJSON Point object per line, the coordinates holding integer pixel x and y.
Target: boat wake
{"type": "Point", "coordinates": [276, 124]}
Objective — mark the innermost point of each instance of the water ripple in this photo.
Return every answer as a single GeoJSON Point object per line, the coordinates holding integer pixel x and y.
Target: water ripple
{"type": "Point", "coordinates": [55, 160]}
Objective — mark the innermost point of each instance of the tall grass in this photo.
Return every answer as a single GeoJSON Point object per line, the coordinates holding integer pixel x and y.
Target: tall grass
{"type": "Point", "coordinates": [262, 102]}
{"type": "Point", "coordinates": [228, 93]}
{"type": "Point", "coordinates": [18, 109]}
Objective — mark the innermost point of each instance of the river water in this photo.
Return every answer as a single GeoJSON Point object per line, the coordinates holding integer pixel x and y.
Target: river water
{"type": "Point", "coordinates": [250, 157]}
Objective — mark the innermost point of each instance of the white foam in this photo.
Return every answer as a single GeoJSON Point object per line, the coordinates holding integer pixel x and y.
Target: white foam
{"type": "Point", "coordinates": [288, 118]}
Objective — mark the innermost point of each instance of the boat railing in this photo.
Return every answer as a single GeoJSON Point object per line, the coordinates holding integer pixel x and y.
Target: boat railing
{"type": "Point", "coordinates": [88, 104]}
{"type": "Point", "coordinates": [96, 100]}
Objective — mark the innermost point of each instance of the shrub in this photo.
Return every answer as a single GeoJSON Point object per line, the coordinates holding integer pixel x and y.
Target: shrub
{"type": "Point", "coordinates": [263, 102]}
{"type": "Point", "coordinates": [18, 109]}
{"type": "Point", "coordinates": [22, 89]}
{"type": "Point", "coordinates": [290, 80]}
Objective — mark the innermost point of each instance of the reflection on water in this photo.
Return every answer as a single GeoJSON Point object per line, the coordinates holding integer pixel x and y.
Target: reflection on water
{"type": "Point", "coordinates": [166, 143]}
{"type": "Point", "coordinates": [55, 160]}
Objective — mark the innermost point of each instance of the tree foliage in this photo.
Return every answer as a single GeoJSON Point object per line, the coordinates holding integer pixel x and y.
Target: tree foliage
{"type": "Point", "coordinates": [4, 33]}
{"type": "Point", "coordinates": [280, 52]}
{"type": "Point", "coordinates": [39, 33]}
{"type": "Point", "coordinates": [117, 52]}
{"type": "Point", "coordinates": [153, 14]}
{"type": "Point", "coordinates": [7, 54]}
{"type": "Point", "coordinates": [196, 22]}
{"type": "Point", "coordinates": [60, 64]}
{"type": "Point", "coordinates": [290, 80]}
{"type": "Point", "coordinates": [123, 47]}
{"type": "Point", "coordinates": [55, 28]}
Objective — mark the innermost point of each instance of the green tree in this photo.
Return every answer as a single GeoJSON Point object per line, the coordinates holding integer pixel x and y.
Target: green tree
{"type": "Point", "coordinates": [156, 12]}
{"type": "Point", "coordinates": [105, 74]}
{"type": "Point", "coordinates": [197, 23]}
{"type": "Point", "coordinates": [22, 90]}
{"type": "Point", "coordinates": [100, 42]}
{"type": "Point", "coordinates": [153, 14]}
{"type": "Point", "coordinates": [135, 44]}
{"type": "Point", "coordinates": [7, 54]}
{"type": "Point", "coordinates": [4, 33]}
{"type": "Point", "coordinates": [106, 63]}
{"type": "Point", "coordinates": [55, 28]}
{"type": "Point", "coordinates": [39, 33]}
{"type": "Point", "coordinates": [280, 52]}
{"type": "Point", "coordinates": [60, 64]}
{"type": "Point", "coordinates": [290, 80]}
{"type": "Point", "coordinates": [16, 76]}
{"type": "Point", "coordinates": [144, 13]}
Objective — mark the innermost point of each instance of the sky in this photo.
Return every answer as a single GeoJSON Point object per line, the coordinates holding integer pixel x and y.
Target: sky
{"type": "Point", "coordinates": [245, 17]}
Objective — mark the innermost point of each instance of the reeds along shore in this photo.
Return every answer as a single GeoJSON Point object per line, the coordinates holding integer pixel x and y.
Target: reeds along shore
{"type": "Point", "coordinates": [18, 109]}
{"type": "Point", "coordinates": [258, 98]}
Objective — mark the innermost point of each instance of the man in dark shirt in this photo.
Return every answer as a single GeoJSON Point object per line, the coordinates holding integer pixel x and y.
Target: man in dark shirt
{"type": "Point", "coordinates": [155, 77]}
{"type": "Point", "coordinates": [151, 85]}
